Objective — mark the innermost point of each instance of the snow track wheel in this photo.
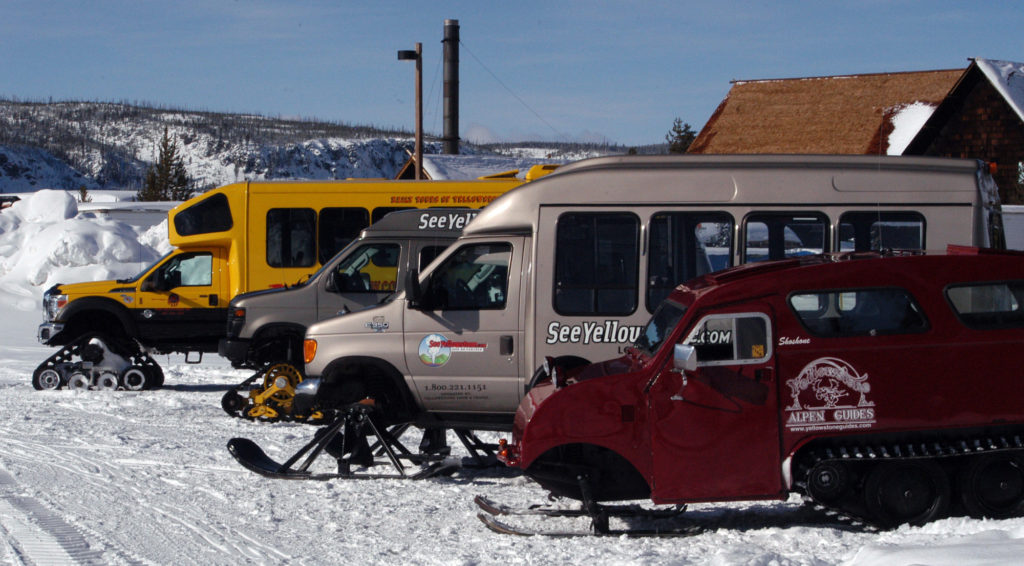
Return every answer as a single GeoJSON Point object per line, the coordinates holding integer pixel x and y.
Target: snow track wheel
{"type": "Point", "coordinates": [107, 381]}
{"type": "Point", "coordinates": [914, 492]}
{"type": "Point", "coordinates": [47, 379]}
{"type": "Point", "coordinates": [79, 381]}
{"type": "Point", "coordinates": [992, 486]}
{"type": "Point", "coordinates": [134, 378]}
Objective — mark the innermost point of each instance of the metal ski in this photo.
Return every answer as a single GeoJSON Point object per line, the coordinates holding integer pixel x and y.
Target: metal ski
{"type": "Point", "coordinates": [346, 439]}
{"type": "Point", "coordinates": [504, 528]}
{"type": "Point", "coordinates": [596, 512]}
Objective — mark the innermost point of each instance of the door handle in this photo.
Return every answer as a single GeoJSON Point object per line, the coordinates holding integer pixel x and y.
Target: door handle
{"type": "Point", "coordinates": [506, 348]}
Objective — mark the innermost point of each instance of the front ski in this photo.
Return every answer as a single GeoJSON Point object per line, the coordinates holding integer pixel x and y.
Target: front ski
{"type": "Point", "coordinates": [253, 458]}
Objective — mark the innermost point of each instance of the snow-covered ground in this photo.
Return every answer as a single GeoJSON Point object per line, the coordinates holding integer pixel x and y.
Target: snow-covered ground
{"type": "Point", "coordinates": [145, 478]}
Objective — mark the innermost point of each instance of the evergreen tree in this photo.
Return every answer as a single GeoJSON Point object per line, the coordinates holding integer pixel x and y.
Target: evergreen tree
{"type": "Point", "coordinates": [166, 179]}
{"type": "Point", "coordinates": [680, 136]}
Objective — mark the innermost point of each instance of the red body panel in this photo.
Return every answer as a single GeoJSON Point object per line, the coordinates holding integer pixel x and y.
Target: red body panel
{"type": "Point", "coordinates": [730, 431]}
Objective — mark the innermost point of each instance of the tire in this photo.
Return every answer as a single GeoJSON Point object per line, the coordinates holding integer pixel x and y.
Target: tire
{"type": "Point", "coordinates": [992, 486]}
{"type": "Point", "coordinates": [913, 492]}
{"type": "Point", "coordinates": [46, 380]}
{"type": "Point", "coordinates": [135, 378]}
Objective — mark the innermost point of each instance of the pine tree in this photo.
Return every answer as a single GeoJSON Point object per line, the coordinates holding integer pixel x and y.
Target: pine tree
{"type": "Point", "coordinates": [166, 179]}
{"type": "Point", "coordinates": [680, 136]}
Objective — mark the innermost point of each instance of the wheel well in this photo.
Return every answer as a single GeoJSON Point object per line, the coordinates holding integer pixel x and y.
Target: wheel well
{"type": "Point", "coordinates": [100, 320]}
{"type": "Point", "coordinates": [612, 477]}
{"type": "Point", "coordinates": [278, 342]}
{"type": "Point", "coordinates": [352, 379]}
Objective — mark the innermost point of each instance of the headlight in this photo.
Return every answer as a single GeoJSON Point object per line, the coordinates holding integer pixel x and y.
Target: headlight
{"type": "Point", "coordinates": [52, 304]}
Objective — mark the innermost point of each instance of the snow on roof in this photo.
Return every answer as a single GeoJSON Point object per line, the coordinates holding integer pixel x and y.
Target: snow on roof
{"type": "Point", "coordinates": [906, 123]}
{"type": "Point", "coordinates": [1008, 78]}
{"type": "Point", "coordinates": [456, 167]}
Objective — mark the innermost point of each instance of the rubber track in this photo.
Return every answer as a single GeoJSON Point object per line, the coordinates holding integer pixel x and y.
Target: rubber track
{"type": "Point", "coordinates": [870, 452]}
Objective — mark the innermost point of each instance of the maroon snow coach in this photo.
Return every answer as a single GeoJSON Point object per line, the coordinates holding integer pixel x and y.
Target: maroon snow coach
{"type": "Point", "coordinates": [888, 388]}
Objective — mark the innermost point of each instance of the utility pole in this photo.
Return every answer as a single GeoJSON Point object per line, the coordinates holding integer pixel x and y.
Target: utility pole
{"type": "Point", "coordinates": [417, 56]}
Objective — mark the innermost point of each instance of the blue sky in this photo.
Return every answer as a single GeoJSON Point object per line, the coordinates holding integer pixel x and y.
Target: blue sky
{"type": "Point", "coordinates": [619, 71]}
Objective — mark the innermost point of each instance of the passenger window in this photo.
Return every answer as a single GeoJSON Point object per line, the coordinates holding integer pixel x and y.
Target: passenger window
{"type": "Point", "coordinates": [864, 231]}
{"type": "Point", "coordinates": [204, 217]}
{"type": "Point", "coordinates": [372, 268]}
{"type": "Point", "coordinates": [685, 245]}
{"type": "Point", "coordinates": [474, 278]}
{"type": "Point", "coordinates": [290, 237]}
{"type": "Point", "coordinates": [861, 312]}
{"type": "Point", "coordinates": [782, 235]}
{"type": "Point", "coordinates": [338, 227]}
{"type": "Point", "coordinates": [596, 263]}
{"type": "Point", "coordinates": [731, 339]}
{"type": "Point", "coordinates": [988, 305]}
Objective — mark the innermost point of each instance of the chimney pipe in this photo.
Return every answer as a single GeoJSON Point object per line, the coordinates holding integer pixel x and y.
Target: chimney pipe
{"type": "Point", "coordinates": [451, 87]}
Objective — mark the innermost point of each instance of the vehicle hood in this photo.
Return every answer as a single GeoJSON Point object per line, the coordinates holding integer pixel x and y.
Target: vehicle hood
{"type": "Point", "coordinates": [615, 366]}
{"type": "Point", "coordinates": [96, 287]}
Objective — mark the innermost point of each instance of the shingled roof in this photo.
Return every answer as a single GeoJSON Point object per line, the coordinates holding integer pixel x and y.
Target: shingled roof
{"type": "Point", "coordinates": [850, 114]}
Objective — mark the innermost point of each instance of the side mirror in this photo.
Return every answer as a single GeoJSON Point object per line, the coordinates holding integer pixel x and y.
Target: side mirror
{"type": "Point", "coordinates": [684, 357]}
{"type": "Point", "coordinates": [331, 286]}
{"type": "Point", "coordinates": [414, 292]}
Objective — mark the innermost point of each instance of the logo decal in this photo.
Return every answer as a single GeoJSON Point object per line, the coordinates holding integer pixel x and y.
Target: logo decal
{"type": "Point", "coordinates": [378, 324]}
{"type": "Point", "coordinates": [595, 332]}
{"type": "Point", "coordinates": [435, 350]}
{"type": "Point", "coordinates": [829, 394]}
{"type": "Point", "coordinates": [127, 298]}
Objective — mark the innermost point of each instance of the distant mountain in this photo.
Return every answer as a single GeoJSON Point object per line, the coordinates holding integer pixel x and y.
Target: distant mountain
{"type": "Point", "coordinates": [98, 145]}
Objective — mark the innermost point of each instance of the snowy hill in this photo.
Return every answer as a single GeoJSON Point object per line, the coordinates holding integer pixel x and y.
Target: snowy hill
{"type": "Point", "coordinates": [68, 145]}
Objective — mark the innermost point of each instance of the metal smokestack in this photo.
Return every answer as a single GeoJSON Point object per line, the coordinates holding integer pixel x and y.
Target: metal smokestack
{"type": "Point", "coordinates": [451, 86]}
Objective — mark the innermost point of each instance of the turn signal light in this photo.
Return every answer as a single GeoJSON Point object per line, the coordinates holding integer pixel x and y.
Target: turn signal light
{"type": "Point", "coordinates": [308, 350]}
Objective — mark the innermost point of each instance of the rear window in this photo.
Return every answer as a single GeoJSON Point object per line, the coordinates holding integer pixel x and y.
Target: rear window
{"type": "Point", "coordinates": [988, 305]}
{"type": "Point", "coordinates": [858, 312]}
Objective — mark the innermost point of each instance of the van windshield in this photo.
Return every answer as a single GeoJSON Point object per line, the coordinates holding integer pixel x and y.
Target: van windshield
{"type": "Point", "coordinates": [664, 319]}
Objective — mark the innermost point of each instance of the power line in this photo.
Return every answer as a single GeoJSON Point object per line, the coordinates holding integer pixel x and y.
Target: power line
{"type": "Point", "coordinates": [558, 135]}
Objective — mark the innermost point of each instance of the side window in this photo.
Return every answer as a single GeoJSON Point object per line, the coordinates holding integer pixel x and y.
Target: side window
{"type": "Point", "coordinates": [204, 217]}
{"type": "Point", "coordinates": [728, 339]}
{"type": "Point", "coordinates": [596, 263]}
{"type": "Point", "coordinates": [772, 235]}
{"type": "Point", "coordinates": [684, 245]}
{"type": "Point", "coordinates": [338, 227]}
{"type": "Point", "coordinates": [372, 268]}
{"type": "Point", "coordinates": [858, 312]}
{"type": "Point", "coordinates": [988, 305]}
{"type": "Point", "coordinates": [290, 237]}
{"type": "Point", "coordinates": [474, 278]}
{"type": "Point", "coordinates": [863, 231]}
{"type": "Point", "coordinates": [429, 254]}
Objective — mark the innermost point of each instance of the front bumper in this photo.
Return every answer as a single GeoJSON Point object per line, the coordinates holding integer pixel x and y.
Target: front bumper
{"type": "Point", "coordinates": [236, 350]}
{"type": "Point", "coordinates": [47, 331]}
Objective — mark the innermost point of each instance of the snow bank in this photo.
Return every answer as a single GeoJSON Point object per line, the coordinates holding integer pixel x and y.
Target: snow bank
{"type": "Point", "coordinates": [45, 240]}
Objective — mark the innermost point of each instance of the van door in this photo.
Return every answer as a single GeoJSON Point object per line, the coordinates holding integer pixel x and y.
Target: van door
{"type": "Point", "coordinates": [715, 434]}
{"type": "Point", "coordinates": [184, 300]}
{"type": "Point", "coordinates": [464, 343]}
